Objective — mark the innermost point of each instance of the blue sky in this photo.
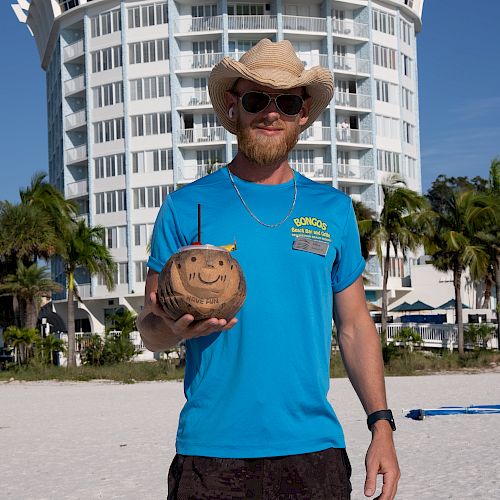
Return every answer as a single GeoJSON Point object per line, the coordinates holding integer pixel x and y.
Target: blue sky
{"type": "Point", "coordinates": [459, 91]}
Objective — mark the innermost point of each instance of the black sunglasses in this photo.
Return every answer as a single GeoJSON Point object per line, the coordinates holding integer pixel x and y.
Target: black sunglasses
{"type": "Point", "coordinates": [255, 102]}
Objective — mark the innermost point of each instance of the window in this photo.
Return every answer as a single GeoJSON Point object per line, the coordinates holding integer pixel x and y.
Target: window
{"type": "Point", "coordinates": [245, 9]}
{"type": "Point", "coordinates": [384, 56]}
{"type": "Point", "coordinates": [148, 51]}
{"type": "Point", "coordinates": [142, 234]}
{"type": "Point", "coordinates": [152, 161]}
{"type": "Point", "coordinates": [406, 65]}
{"type": "Point", "coordinates": [405, 32]}
{"type": "Point", "coordinates": [408, 133]}
{"type": "Point", "coordinates": [105, 59]}
{"type": "Point", "coordinates": [105, 23]}
{"type": "Point", "coordinates": [383, 21]}
{"type": "Point", "coordinates": [204, 10]}
{"type": "Point", "coordinates": [409, 167]}
{"type": "Point", "coordinates": [148, 15]}
{"type": "Point", "coordinates": [110, 201]}
{"type": "Point", "coordinates": [386, 91]}
{"type": "Point", "coordinates": [107, 95]}
{"type": "Point", "coordinates": [151, 124]}
{"type": "Point", "coordinates": [141, 271]}
{"type": "Point", "coordinates": [109, 130]}
{"type": "Point", "coordinates": [388, 161]}
{"type": "Point", "coordinates": [109, 166]}
{"type": "Point", "coordinates": [116, 237]}
{"type": "Point", "coordinates": [150, 197]}
{"type": "Point", "coordinates": [209, 157]}
{"type": "Point", "coordinates": [407, 98]}
{"type": "Point", "coordinates": [387, 127]}
{"type": "Point", "coordinates": [396, 267]}
{"type": "Point", "coordinates": [302, 157]}
{"type": "Point", "coordinates": [121, 273]}
{"type": "Point", "coordinates": [149, 88]}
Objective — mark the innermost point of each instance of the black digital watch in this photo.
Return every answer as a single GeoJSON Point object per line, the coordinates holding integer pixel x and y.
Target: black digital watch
{"type": "Point", "coordinates": [381, 415]}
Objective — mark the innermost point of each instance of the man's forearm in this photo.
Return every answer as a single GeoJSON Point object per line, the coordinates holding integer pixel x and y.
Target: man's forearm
{"type": "Point", "coordinates": [362, 356]}
{"type": "Point", "coordinates": [155, 334]}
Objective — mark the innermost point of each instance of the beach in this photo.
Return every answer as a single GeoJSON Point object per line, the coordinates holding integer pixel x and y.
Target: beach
{"type": "Point", "coordinates": [102, 440]}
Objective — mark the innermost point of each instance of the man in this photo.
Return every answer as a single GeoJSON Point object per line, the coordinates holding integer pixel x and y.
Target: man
{"type": "Point", "coordinates": [257, 423]}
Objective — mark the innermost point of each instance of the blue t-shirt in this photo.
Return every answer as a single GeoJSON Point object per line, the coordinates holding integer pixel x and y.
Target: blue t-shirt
{"type": "Point", "coordinates": [260, 389]}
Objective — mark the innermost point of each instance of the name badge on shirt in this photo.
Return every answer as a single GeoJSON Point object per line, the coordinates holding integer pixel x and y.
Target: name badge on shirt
{"type": "Point", "coordinates": [310, 245]}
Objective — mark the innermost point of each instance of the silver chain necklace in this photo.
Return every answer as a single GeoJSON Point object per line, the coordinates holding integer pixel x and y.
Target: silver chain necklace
{"type": "Point", "coordinates": [248, 208]}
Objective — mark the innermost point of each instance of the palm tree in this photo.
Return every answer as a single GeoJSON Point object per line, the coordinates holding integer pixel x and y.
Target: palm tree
{"type": "Point", "coordinates": [50, 201]}
{"type": "Point", "coordinates": [400, 227]}
{"type": "Point", "coordinates": [123, 321]}
{"type": "Point", "coordinates": [21, 340]}
{"type": "Point", "coordinates": [454, 245]}
{"type": "Point", "coordinates": [29, 284]}
{"type": "Point", "coordinates": [365, 218]}
{"type": "Point", "coordinates": [26, 233]}
{"type": "Point", "coordinates": [83, 247]}
{"type": "Point", "coordinates": [48, 346]}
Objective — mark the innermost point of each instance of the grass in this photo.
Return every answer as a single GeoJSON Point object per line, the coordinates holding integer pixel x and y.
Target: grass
{"type": "Point", "coordinates": [400, 363]}
{"type": "Point", "coordinates": [127, 372]}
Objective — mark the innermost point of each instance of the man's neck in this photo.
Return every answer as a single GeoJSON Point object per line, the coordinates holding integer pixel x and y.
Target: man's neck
{"type": "Point", "coordinates": [278, 173]}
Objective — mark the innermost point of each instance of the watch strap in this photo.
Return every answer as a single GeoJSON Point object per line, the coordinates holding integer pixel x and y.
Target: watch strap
{"type": "Point", "coordinates": [381, 415]}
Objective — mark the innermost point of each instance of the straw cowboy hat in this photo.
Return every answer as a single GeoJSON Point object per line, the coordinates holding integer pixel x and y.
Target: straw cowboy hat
{"type": "Point", "coordinates": [274, 65]}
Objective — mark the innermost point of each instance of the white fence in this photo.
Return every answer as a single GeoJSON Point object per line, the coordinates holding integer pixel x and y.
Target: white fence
{"type": "Point", "coordinates": [440, 336]}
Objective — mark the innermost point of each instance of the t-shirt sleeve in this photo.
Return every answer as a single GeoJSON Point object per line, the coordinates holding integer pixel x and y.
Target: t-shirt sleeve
{"type": "Point", "coordinates": [167, 236]}
{"type": "Point", "coordinates": [349, 263]}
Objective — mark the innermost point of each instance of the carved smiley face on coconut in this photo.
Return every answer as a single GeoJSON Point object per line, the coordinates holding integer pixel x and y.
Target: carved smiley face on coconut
{"type": "Point", "coordinates": [205, 281]}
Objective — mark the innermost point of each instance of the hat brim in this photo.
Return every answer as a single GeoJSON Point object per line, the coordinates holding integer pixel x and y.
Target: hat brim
{"type": "Point", "coordinates": [317, 81]}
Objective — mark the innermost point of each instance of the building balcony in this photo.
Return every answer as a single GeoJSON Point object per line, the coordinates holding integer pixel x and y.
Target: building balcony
{"type": "Point", "coordinates": [77, 189]}
{"type": "Point", "coordinates": [75, 155]}
{"type": "Point", "coordinates": [186, 25]}
{"type": "Point", "coordinates": [358, 174]}
{"type": "Point", "coordinates": [197, 62]}
{"type": "Point", "coordinates": [355, 101]}
{"type": "Point", "coordinates": [351, 64]}
{"type": "Point", "coordinates": [301, 23]}
{"type": "Point", "coordinates": [195, 98]}
{"type": "Point", "coordinates": [313, 59]}
{"type": "Point", "coordinates": [76, 120]}
{"type": "Point", "coordinates": [74, 85]}
{"type": "Point", "coordinates": [195, 136]}
{"type": "Point", "coordinates": [354, 136]}
{"type": "Point", "coordinates": [321, 171]}
{"type": "Point", "coordinates": [316, 134]}
{"type": "Point", "coordinates": [252, 23]}
{"type": "Point", "coordinates": [349, 28]}
{"type": "Point", "coordinates": [73, 51]}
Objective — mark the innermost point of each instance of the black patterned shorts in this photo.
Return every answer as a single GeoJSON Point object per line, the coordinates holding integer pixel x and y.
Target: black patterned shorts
{"type": "Point", "coordinates": [322, 475]}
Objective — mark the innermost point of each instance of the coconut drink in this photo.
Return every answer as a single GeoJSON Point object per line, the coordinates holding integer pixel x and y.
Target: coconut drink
{"type": "Point", "coordinates": [202, 280]}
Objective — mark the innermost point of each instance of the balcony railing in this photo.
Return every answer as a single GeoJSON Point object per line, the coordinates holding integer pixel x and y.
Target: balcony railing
{"type": "Point", "coordinates": [317, 171]}
{"type": "Point", "coordinates": [348, 100]}
{"type": "Point", "coordinates": [252, 23]}
{"type": "Point", "coordinates": [313, 59]}
{"type": "Point", "coordinates": [76, 189]}
{"type": "Point", "coordinates": [197, 135]}
{"type": "Point", "coordinates": [301, 23]}
{"type": "Point", "coordinates": [316, 133]}
{"type": "Point", "coordinates": [351, 63]}
{"type": "Point", "coordinates": [193, 98]}
{"type": "Point", "coordinates": [355, 172]}
{"type": "Point", "coordinates": [76, 154]}
{"type": "Point", "coordinates": [74, 85]}
{"type": "Point", "coordinates": [73, 50]}
{"type": "Point", "coordinates": [355, 136]}
{"type": "Point", "coordinates": [190, 24]}
{"type": "Point", "coordinates": [75, 120]}
{"type": "Point", "coordinates": [347, 27]}
{"type": "Point", "coordinates": [198, 61]}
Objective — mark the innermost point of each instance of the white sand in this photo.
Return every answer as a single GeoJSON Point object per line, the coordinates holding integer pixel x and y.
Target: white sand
{"type": "Point", "coordinates": [103, 440]}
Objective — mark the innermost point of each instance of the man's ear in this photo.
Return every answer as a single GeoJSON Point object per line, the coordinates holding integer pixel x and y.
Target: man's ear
{"type": "Point", "coordinates": [231, 101]}
{"type": "Point", "coordinates": [304, 112]}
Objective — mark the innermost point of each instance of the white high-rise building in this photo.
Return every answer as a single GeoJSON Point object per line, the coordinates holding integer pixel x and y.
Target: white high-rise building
{"type": "Point", "coordinates": [129, 115]}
